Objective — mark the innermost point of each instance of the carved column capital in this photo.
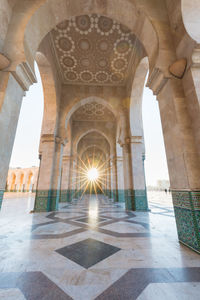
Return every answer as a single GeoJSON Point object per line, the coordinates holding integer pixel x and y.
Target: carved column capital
{"type": "Point", "coordinates": [47, 138]}
{"type": "Point", "coordinates": [136, 140]}
{"type": "Point", "coordinates": [119, 158]}
{"type": "Point", "coordinates": [24, 75]}
{"type": "Point", "coordinates": [61, 140]}
{"type": "Point", "coordinates": [196, 58]}
{"type": "Point", "coordinates": [66, 158]}
{"type": "Point", "coordinates": [156, 81]}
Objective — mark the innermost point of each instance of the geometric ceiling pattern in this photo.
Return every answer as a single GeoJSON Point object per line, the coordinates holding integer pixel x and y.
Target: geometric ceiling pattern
{"type": "Point", "coordinates": [93, 154]}
{"type": "Point", "coordinates": [93, 111]}
{"type": "Point", "coordinates": [93, 49]}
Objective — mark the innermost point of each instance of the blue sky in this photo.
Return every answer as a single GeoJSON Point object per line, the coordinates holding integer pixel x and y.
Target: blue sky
{"type": "Point", "coordinates": [25, 150]}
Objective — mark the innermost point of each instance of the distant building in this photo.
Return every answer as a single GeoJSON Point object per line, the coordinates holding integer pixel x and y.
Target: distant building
{"type": "Point", "coordinates": [22, 179]}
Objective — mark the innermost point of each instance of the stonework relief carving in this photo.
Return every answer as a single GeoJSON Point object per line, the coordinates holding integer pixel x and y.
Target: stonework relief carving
{"type": "Point", "coordinates": [93, 111]}
{"type": "Point", "coordinates": [93, 49]}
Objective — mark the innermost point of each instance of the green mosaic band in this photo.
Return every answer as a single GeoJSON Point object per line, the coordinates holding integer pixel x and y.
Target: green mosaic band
{"type": "Point", "coordinates": [187, 215]}
{"type": "Point", "coordinates": [129, 199]}
{"type": "Point", "coordinates": [1, 197]}
{"type": "Point", "coordinates": [121, 196]}
{"type": "Point", "coordinates": [135, 200]}
{"type": "Point", "coordinates": [141, 203]}
{"type": "Point", "coordinates": [115, 196]}
{"type": "Point", "coordinates": [46, 200]}
{"type": "Point", "coordinates": [64, 196]}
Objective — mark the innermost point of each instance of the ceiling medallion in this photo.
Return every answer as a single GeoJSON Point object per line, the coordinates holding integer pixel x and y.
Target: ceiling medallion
{"type": "Point", "coordinates": [102, 62]}
{"type": "Point", "coordinates": [105, 26]}
{"type": "Point", "coordinates": [68, 61]}
{"type": "Point", "coordinates": [83, 24]}
{"type": "Point", "coordinates": [84, 44]}
{"type": "Point", "coordinates": [101, 76]}
{"type": "Point", "coordinates": [116, 77]}
{"type": "Point", "coordinates": [103, 45]}
{"type": "Point", "coordinates": [64, 43]}
{"type": "Point", "coordinates": [85, 62]}
{"type": "Point", "coordinates": [71, 75]}
{"type": "Point", "coordinates": [122, 46]}
{"type": "Point", "coordinates": [86, 76]}
{"type": "Point", "coordinates": [119, 64]}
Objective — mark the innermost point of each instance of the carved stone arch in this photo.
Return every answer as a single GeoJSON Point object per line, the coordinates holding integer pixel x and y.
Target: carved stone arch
{"type": "Point", "coordinates": [13, 178]}
{"type": "Point", "coordinates": [84, 101]}
{"type": "Point", "coordinates": [135, 110]}
{"type": "Point", "coordinates": [82, 134]}
{"type": "Point", "coordinates": [92, 146]}
{"type": "Point", "coordinates": [49, 92]}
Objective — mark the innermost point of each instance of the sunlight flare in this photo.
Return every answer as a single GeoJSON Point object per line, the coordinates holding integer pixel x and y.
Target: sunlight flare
{"type": "Point", "coordinates": [93, 174]}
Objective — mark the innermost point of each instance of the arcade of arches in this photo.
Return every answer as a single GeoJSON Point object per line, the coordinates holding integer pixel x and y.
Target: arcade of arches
{"type": "Point", "coordinates": [94, 58]}
{"type": "Point", "coordinates": [22, 180]}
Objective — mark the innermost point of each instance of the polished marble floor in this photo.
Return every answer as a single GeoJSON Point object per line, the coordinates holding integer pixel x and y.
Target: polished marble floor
{"type": "Point", "coordinates": [93, 249]}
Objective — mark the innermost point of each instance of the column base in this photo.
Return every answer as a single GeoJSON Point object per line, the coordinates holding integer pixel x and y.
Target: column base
{"type": "Point", "coordinates": [1, 197]}
{"type": "Point", "coordinates": [108, 193]}
{"type": "Point", "coordinates": [135, 200]}
{"type": "Point", "coordinates": [121, 196]}
{"type": "Point", "coordinates": [69, 195]}
{"type": "Point", "coordinates": [187, 215]}
{"type": "Point", "coordinates": [64, 196]}
{"type": "Point", "coordinates": [129, 199]}
{"type": "Point", "coordinates": [46, 200]}
{"type": "Point", "coordinates": [115, 196]}
{"type": "Point", "coordinates": [140, 198]}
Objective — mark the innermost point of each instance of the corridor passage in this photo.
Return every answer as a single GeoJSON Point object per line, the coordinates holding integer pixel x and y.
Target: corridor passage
{"type": "Point", "coordinates": [93, 249]}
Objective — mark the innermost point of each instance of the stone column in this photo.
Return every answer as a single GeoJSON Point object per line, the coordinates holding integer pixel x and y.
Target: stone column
{"type": "Point", "coordinates": [109, 189]}
{"type": "Point", "coordinates": [57, 172]}
{"type": "Point", "coordinates": [71, 171]}
{"type": "Point", "coordinates": [65, 178]}
{"type": "Point", "coordinates": [120, 179]}
{"type": "Point", "coordinates": [74, 172]}
{"type": "Point", "coordinates": [49, 181]}
{"type": "Point", "coordinates": [128, 179]}
{"type": "Point", "coordinates": [182, 157]}
{"type": "Point", "coordinates": [127, 162]}
{"type": "Point", "coordinates": [43, 192]}
{"type": "Point", "coordinates": [137, 153]}
{"type": "Point", "coordinates": [11, 94]}
{"type": "Point", "coordinates": [114, 179]}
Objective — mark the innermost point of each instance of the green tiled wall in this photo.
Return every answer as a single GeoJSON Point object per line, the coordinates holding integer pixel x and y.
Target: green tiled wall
{"type": "Point", "coordinates": [187, 214]}
{"type": "Point", "coordinates": [1, 197]}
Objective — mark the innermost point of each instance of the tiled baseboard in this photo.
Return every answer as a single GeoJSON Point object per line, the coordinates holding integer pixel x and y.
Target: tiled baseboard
{"type": "Point", "coordinates": [187, 214]}
{"type": "Point", "coordinates": [136, 200]}
{"type": "Point", "coordinates": [1, 197]}
{"type": "Point", "coordinates": [45, 200]}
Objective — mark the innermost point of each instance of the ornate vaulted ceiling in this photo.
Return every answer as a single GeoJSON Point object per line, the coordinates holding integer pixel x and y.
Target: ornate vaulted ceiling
{"type": "Point", "coordinates": [92, 49]}
{"type": "Point", "coordinates": [93, 112]}
{"type": "Point", "coordinates": [93, 154]}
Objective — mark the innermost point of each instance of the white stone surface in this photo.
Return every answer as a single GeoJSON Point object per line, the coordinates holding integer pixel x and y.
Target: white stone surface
{"type": "Point", "coordinates": [11, 294]}
{"type": "Point", "coordinates": [171, 291]}
{"type": "Point", "coordinates": [124, 227]}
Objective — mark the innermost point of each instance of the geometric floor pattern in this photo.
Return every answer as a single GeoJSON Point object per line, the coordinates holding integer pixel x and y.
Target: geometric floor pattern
{"type": "Point", "coordinates": [94, 249]}
{"type": "Point", "coordinates": [88, 252]}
